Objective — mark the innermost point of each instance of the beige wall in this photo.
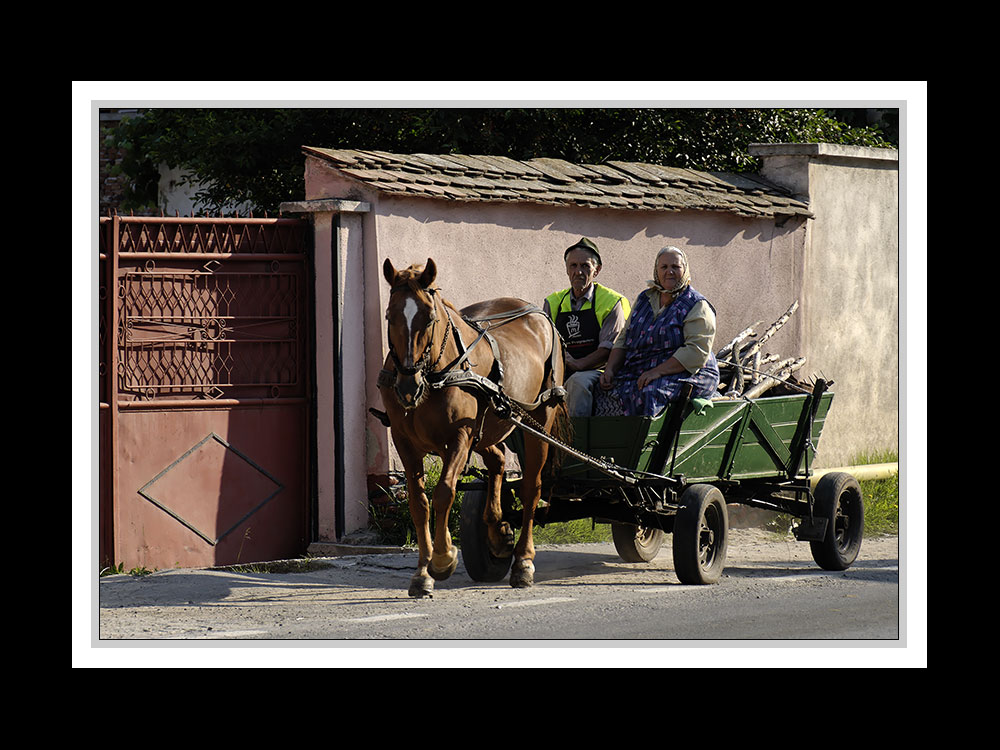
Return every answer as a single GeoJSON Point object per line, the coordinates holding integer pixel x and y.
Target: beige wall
{"type": "Point", "coordinates": [841, 267]}
{"type": "Point", "coordinates": [851, 284]}
{"type": "Point", "coordinates": [749, 268]}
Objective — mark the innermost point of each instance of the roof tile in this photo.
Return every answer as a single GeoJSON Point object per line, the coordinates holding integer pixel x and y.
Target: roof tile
{"type": "Point", "coordinates": [615, 184]}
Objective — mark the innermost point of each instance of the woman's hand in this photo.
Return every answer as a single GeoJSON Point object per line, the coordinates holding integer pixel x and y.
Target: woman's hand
{"type": "Point", "coordinates": [670, 367]}
{"type": "Point", "coordinates": [647, 377]}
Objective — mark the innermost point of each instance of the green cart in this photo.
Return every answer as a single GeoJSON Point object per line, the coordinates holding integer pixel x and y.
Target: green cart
{"type": "Point", "coordinates": [675, 473]}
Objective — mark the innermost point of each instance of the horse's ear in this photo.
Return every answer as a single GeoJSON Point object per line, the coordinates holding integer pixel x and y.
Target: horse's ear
{"type": "Point", "coordinates": [388, 271]}
{"type": "Point", "coordinates": [429, 274]}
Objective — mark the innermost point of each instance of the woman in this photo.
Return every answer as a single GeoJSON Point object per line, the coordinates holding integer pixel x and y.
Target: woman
{"type": "Point", "coordinates": [666, 343]}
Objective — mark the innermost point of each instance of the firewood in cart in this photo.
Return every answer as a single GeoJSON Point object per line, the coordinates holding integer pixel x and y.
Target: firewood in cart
{"type": "Point", "coordinates": [755, 346]}
{"type": "Point", "coordinates": [777, 375]}
{"type": "Point", "coordinates": [725, 351]}
{"type": "Point", "coordinates": [755, 373]}
{"type": "Point", "coordinates": [741, 362]}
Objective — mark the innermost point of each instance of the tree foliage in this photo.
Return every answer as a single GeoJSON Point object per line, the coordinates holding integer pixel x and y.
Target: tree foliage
{"type": "Point", "coordinates": [253, 156]}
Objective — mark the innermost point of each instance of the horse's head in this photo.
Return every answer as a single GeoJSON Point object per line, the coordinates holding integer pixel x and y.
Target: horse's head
{"type": "Point", "coordinates": [411, 315]}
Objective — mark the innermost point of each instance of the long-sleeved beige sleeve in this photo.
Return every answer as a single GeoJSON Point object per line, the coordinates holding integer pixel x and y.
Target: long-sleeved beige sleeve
{"type": "Point", "coordinates": [699, 336]}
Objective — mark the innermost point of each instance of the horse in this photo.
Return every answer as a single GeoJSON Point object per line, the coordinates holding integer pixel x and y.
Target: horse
{"type": "Point", "coordinates": [441, 387]}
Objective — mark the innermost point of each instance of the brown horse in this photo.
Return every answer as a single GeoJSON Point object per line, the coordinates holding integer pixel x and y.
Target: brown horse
{"type": "Point", "coordinates": [436, 385]}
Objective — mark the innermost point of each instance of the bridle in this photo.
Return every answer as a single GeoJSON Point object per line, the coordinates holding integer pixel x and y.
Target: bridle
{"type": "Point", "coordinates": [423, 365]}
{"type": "Point", "coordinates": [457, 372]}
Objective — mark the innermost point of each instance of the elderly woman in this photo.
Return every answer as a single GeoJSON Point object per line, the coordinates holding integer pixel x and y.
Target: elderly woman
{"type": "Point", "coordinates": [667, 342]}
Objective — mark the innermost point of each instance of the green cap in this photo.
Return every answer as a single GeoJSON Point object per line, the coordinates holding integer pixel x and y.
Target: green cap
{"type": "Point", "coordinates": [585, 244]}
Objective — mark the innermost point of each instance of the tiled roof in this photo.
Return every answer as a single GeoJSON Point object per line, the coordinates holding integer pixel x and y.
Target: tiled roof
{"type": "Point", "coordinates": [615, 184]}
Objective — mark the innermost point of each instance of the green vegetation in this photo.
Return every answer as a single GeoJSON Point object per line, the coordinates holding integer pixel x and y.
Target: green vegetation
{"type": "Point", "coordinates": [304, 564]}
{"type": "Point", "coordinates": [119, 569]}
{"type": "Point", "coordinates": [881, 499]}
{"type": "Point", "coordinates": [253, 156]}
{"type": "Point", "coordinates": [881, 496]}
{"type": "Point", "coordinates": [390, 516]}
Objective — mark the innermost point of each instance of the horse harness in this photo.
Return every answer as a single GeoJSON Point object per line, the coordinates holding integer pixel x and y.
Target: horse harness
{"type": "Point", "coordinates": [458, 374]}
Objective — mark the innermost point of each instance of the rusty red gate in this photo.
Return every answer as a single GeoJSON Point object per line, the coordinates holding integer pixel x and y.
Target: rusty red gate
{"type": "Point", "coordinates": [205, 391]}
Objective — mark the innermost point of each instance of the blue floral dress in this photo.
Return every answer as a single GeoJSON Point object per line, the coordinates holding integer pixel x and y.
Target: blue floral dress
{"type": "Point", "coordinates": [650, 340]}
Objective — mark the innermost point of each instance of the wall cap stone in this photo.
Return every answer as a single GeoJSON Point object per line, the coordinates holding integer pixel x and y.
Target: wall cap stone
{"type": "Point", "coordinates": [823, 149]}
{"type": "Point", "coordinates": [322, 205]}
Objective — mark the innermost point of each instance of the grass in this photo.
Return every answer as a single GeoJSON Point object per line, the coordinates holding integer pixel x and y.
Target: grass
{"type": "Point", "coordinates": [390, 518]}
{"type": "Point", "coordinates": [881, 499]}
{"type": "Point", "coordinates": [119, 569]}
{"type": "Point", "coordinates": [881, 496]}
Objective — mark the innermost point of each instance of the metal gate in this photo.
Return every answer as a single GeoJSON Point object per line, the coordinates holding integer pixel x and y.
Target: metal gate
{"type": "Point", "coordinates": [205, 390]}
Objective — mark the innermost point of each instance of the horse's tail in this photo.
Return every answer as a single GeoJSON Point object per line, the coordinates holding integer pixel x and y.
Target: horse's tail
{"type": "Point", "coordinates": [561, 430]}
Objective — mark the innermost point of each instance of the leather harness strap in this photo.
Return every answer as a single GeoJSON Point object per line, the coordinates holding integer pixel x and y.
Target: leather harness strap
{"type": "Point", "coordinates": [463, 377]}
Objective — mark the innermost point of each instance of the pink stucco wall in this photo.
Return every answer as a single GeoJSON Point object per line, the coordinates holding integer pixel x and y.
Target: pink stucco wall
{"type": "Point", "coordinates": [748, 268]}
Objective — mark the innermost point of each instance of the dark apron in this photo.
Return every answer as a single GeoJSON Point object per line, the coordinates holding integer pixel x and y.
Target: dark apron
{"type": "Point", "coordinates": [580, 330]}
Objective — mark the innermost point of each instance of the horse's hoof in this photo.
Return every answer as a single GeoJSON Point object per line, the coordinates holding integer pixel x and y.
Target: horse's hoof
{"type": "Point", "coordinates": [505, 546]}
{"type": "Point", "coordinates": [522, 574]}
{"type": "Point", "coordinates": [421, 586]}
{"type": "Point", "coordinates": [441, 574]}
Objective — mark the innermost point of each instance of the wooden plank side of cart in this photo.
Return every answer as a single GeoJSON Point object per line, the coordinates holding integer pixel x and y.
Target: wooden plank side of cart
{"type": "Point", "coordinates": [750, 440]}
{"type": "Point", "coordinates": [731, 440]}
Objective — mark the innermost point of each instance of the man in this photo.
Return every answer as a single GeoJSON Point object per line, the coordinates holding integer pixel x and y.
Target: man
{"type": "Point", "coordinates": [589, 317]}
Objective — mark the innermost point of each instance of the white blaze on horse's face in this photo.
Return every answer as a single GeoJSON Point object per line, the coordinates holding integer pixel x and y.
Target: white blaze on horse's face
{"type": "Point", "coordinates": [409, 313]}
{"type": "Point", "coordinates": [416, 318]}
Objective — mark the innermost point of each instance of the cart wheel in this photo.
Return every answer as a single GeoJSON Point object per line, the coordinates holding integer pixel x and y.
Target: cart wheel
{"type": "Point", "coordinates": [480, 563]}
{"type": "Point", "coordinates": [839, 501]}
{"type": "Point", "coordinates": [701, 535]}
{"type": "Point", "coordinates": [636, 543]}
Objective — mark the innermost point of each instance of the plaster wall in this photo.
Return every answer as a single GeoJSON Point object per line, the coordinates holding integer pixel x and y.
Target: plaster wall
{"type": "Point", "coordinates": [750, 269]}
{"type": "Point", "coordinates": [850, 326]}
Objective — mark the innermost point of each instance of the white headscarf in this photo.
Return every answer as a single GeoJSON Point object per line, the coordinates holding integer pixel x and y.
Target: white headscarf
{"type": "Point", "coordinates": [654, 283]}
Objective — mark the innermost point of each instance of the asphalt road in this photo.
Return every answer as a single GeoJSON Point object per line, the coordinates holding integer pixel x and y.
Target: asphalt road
{"type": "Point", "coordinates": [772, 593]}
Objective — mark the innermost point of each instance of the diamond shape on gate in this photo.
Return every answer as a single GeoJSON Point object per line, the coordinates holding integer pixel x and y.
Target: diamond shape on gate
{"type": "Point", "coordinates": [252, 473]}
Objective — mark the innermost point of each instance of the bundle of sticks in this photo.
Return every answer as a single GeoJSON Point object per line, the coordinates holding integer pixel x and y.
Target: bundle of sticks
{"type": "Point", "coordinates": [745, 371]}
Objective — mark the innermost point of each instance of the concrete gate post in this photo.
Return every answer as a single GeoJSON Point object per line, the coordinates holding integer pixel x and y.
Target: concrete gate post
{"type": "Point", "coordinates": [341, 487]}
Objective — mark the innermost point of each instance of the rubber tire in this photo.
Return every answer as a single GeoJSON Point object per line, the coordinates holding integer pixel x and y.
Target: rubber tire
{"type": "Point", "coordinates": [838, 499]}
{"type": "Point", "coordinates": [636, 543]}
{"type": "Point", "coordinates": [481, 564]}
{"type": "Point", "coordinates": [699, 560]}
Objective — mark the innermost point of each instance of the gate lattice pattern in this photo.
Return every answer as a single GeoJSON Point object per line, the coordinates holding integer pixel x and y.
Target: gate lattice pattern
{"type": "Point", "coordinates": [209, 333]}
{"type": "Point", "coordinates": [210, 310]}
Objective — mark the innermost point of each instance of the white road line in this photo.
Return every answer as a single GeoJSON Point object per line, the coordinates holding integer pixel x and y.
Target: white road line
{"type": "Point", "coordinates": [231, 634]}
{"type": "Point", "coordinates": [533, 602]}
{"type": "Point", "coordinates": [382, 618]}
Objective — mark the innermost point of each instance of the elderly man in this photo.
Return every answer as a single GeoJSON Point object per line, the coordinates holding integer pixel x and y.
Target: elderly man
{"type": "Point", "coordinates": [589, 317]}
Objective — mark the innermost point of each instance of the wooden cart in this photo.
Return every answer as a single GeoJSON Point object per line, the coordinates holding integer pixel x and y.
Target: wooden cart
{"type": "Point", "coordinates": [675, 473]}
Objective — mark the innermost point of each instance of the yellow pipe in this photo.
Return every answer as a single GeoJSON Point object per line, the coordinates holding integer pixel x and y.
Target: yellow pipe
{"type": "Point", "coordinates": [867, 471]}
